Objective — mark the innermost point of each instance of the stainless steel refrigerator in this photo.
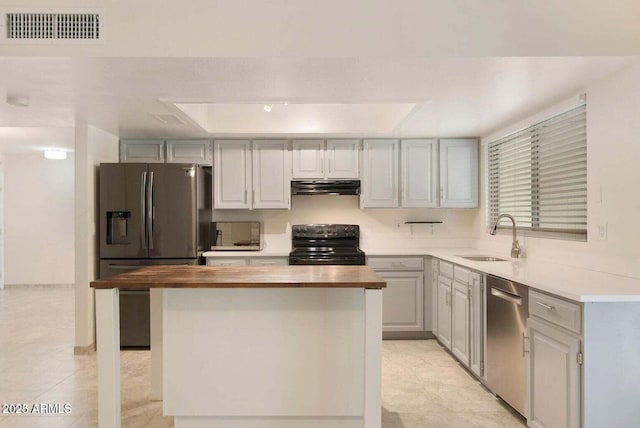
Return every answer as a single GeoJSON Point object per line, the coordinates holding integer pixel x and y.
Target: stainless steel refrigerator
{"type": "Point", "coordinates": [150, 214]}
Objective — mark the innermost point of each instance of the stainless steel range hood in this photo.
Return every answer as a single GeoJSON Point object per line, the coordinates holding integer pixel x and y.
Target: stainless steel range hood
{"type": "Point", "coordinates": [325, 187]}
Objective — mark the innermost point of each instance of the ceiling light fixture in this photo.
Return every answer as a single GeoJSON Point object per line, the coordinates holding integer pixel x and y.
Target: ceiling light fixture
{"type": "Point", "coordinates": [267, 108]}
{"type": "Point", "coordinates": [17, 100]}
{"type": "Point", "coordinates": [56, 154]}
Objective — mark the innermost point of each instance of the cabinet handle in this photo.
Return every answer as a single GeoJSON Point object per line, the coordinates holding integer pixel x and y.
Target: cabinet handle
{"type": "Point", "coordinates": [544, 305]}
{"type": "Point", "coordinates": [244, 201]}
{"type": "Point", "coordinates": [524, 344]}
{"type": "Point", "coordinates": [253, 196]}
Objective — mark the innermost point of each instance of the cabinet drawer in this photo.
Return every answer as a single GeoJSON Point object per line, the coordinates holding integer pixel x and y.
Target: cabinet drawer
{"type": "Point", "coordinates": [556, 311]}
{"type": "Point", "coordinates": [445, 269]}
{"type": "Point", "coordinates": [396, 263]}
{"type": "Point", "coordinates": [268, 261]}
{"type": "Point", "coordinates": [461, 274]}
{"type": "Point", "coordinates": [226, 261]}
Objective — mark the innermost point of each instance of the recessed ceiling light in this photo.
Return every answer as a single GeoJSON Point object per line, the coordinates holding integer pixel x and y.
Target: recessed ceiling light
{"type": "Point", "coordinates": [17, 100]}
{"type": "Point", "coordinates": [267, 108]}
{"type": "Point", "coordinates": [56, 154]}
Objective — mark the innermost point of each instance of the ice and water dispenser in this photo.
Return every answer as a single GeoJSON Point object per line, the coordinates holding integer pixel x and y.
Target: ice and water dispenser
{"type": "Point", "coordinates": [118, 227]}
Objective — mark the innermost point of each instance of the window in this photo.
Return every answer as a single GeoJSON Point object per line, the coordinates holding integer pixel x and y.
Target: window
{"type": "Point", "coordinates": [539, 176]}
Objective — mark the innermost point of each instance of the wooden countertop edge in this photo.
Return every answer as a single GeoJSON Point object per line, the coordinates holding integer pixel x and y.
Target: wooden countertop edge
{"type": "Point", "coordinates": [100, 285]}
{"type": "Point", "coordinates": [170, 276]}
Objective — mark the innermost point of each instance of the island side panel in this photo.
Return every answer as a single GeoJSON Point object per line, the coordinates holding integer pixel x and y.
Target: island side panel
{"type": "Point", "coordinates": [155, 303]}
{"type": "Point", "coordinates": [108, 350]}
{"type": "Point", "coordinates": [611, 377]}
{"type": "Point", "coordinates": [294, 352]}
{"type": "Point", "coordinates": [373, 359]}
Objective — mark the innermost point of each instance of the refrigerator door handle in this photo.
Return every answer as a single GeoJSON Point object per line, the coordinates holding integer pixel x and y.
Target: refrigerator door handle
{"type": "Point", "coordinates": [150, 211]}
{"type": "Point", "coordinates": [143, 210]}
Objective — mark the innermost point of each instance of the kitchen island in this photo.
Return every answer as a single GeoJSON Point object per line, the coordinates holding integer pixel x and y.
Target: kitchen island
{"type": "Point", "coordinates": [285, 346]}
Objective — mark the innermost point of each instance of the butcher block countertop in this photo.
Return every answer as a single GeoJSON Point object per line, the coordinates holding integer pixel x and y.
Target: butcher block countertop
{"type": "Point", "coordinates": [244, 277]}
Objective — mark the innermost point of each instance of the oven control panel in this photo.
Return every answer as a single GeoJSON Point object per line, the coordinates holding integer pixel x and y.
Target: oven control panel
{"type": "Point", "coordinates": [325, 231]}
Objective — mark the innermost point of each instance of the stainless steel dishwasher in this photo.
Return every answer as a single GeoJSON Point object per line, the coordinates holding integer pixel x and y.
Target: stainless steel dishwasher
{"type": "Point", "coordinates": [507, 313]}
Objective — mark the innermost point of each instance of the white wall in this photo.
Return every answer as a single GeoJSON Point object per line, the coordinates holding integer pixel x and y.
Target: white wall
{"type": "Point", "coordinates": [613, 156]}
{"type": "Point", "coordinates": [39, 219]}
{"type": "Point", "coordinates": [377, 226]}
{"type": "Point", "coordinates": [93, 146]}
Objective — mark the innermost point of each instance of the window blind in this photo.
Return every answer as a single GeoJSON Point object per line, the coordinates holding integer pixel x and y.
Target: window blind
{"type": "Point", "coordinates": [539, 175]}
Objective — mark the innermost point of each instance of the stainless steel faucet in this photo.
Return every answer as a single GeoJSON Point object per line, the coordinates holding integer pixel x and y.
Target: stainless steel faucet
{"type": "Point", "coordinates": [515, 246]}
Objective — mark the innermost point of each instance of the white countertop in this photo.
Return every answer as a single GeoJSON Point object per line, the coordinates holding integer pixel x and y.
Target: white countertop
{"type": "Point", "coordinates": [573, 283]}
{"type": "Point", "coordinates": [577, 284]}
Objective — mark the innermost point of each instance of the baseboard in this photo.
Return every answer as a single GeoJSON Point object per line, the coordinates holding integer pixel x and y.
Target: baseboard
{"type": "Point", "coordinates": [84, 350]}
{"type": "Point", "coordinates": [410, 335]}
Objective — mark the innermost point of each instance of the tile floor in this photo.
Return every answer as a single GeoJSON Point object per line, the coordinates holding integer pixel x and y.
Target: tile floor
{"type": "Point", "coordinates": [423, 386]}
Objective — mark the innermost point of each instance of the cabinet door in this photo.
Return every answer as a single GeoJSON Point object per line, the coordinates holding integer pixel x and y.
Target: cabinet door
{"type": "Point", "coordinates": [402, 301]}
{"type": "Point", "coordinates": [342, 159]}
{"type": "Point", "coordinates": [444, 311]}
{"type": "Point", "coordinates": [147, 151]}
{"type": "Point", "coordinates": [232, 174]}
{"type": "Point", "coordinates": [476, 330]}
{"type": "Point", "coordinates": [553, 378]}
{"type": "Point", "coordinates": [419, 167]}
{"type": "Point", "coordinates": [379, 174]}
{"type": "Point", "coordinates": [460, 322]}
{"type": "Point", "coordinates": [308, 159]}
{"type": "Point", "coordinates": [189, 151]}
{"type": "Point", "coordinates": [459, 173]}
{"type": "Point", "coordinates": [271, 174]}
{"type": "Point", "coordinates": [268, 261]}
{"type": "Point", "coordinates": [434, 296]}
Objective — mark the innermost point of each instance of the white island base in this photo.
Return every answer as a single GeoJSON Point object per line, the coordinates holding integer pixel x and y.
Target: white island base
{"type": "Point", "coordinates": [272, 357]}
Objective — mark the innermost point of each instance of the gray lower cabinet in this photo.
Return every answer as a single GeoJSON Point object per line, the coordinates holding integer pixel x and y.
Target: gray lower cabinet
{"type": "Point", "coordinates": [444, 311]}
{"type": "Point", "coordinates": [459, 308]}
{"type": "Point", "coordinates": [403, 299]}
{"type": "Point", "coordinates": [554, 377]}
{"type": "Point", "coordinates": [476, 321]}
{"type": "Point", "coordinates": [460, 324]}
{"type": "Point", "coordinates": [247, 261]}
{"type": "Point", "coordinates": [402, 308]}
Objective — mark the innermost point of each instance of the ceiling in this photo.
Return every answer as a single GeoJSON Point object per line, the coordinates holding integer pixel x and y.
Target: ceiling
{"type": "Point", "coordinates": [137, 97]}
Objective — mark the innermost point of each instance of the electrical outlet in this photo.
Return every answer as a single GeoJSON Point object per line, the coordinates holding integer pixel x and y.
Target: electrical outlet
{"type": "Point", "coordinates": [398, 224]}
{"type": "Point", "coordinates": [601, 231]}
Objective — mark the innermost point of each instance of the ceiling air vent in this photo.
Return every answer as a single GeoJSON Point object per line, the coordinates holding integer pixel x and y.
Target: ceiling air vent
{"type": "Point", "coordinates": [52, 26]}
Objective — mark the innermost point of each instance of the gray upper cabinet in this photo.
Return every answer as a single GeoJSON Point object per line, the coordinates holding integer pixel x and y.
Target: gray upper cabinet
{"type": "Point", "coordinates": [459, 173]}
{"type": "Point", "coordinates": [147, 151]}
{"type": "Point", "coordinates": [189, 151]}
{"type": "Point", "coordinates": [330, 159]}
{"type": "Point", "coordinates": [169, 151]}
{"type": "Point", "coordinates": [419, 173]}
{"type": "Point", "coordinates": [380, 173]}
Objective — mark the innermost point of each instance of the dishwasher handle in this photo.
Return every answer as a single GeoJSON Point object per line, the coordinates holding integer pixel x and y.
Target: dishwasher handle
{"type": "Point", "coordinates": [506, 296]}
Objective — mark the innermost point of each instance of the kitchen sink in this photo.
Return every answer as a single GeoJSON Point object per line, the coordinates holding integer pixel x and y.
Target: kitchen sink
{"type": "Point", "coordinates": [483, 258]}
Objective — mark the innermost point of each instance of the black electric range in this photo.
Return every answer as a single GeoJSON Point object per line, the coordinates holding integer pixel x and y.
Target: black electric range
{"type": "Point", "coordinates": [326, 244]}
